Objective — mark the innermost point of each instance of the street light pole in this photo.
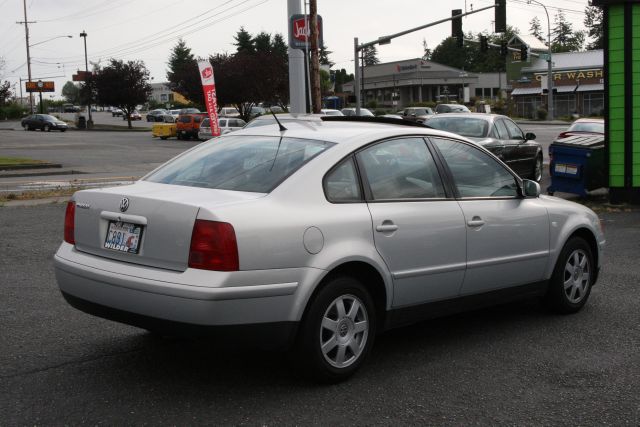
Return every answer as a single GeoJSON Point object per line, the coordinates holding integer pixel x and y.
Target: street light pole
{"type": "Point", "coordinates": [26, 30]}
{"type": "Point", "coordinates": [549, 63]}
{"type": "Point", "coordinates": [83, 34]}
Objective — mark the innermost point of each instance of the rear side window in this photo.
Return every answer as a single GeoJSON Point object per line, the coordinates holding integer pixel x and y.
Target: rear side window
{"type": "Point", "coordinates": [341, 184]}
{"type": "Point", "coordinates": [240, 163]}
{"type": "Point", "coordinates": [401, 169]}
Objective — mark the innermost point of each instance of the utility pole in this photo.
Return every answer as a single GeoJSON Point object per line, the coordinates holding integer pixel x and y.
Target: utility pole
{"type": "Point", "coordinates": [26, 23]}
{"type": "Point", "coordinates": [315, 61]}
{"type": "Point", "coordinates": [83, 34]}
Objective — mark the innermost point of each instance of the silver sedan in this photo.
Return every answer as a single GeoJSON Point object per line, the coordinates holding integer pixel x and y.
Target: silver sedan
{"type": "Point", "coordinates": [320, 236]}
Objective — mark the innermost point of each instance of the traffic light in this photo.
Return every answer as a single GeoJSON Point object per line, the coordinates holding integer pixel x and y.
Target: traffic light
{"type": "Point", "coordinates": [501, 16]}
{"type": "Point", "coordinates": [524, 52]}
{"type": "Point", "coordinates": [456, 27]}
{"type": "Point", "coordinates": [484, 44]}
{"type": "Point", "coordinates": [504, 50]}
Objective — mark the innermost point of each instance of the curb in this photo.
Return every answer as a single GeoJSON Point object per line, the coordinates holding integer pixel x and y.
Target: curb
{"type": "Point", "coordinates": [34, 202]}
{"type": "Point", "coordinates": [30, 166]}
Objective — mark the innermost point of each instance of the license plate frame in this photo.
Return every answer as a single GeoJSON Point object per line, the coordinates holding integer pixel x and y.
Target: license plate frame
{"type": "Point", "coordinates": [124, 237]}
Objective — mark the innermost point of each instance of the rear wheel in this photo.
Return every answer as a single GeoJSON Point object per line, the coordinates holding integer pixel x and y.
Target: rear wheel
{"type": "Point", "coordinates": [573, 275]}
{"type": "Point", "coordinates": [338, 331]}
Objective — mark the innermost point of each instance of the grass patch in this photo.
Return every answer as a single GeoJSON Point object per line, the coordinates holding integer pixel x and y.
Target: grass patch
{"type": "Point", "coordinates": [12, 161]}
{"type": "Point", "coordinates": [39, 194]}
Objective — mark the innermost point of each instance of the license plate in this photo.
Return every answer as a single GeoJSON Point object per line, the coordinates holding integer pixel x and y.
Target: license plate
{"type": "Point", "coordinates": [565, 168]}
{"type": "Point", "coordinates": [123, 237]}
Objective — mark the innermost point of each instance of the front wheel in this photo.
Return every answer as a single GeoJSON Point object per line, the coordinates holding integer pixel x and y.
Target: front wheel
{"type": "Point", "coordinates": [338, 331]}
{"type": "Point", "coordinates": [538, 169]}
{"type": "Point", "coordinates": [46, 128]}
{"type": "Point", "coordinates": [26, 127]}
{"type": "Point", "coordinates": [573, 275]}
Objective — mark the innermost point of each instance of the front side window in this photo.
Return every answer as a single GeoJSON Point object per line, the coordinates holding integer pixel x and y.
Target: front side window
{"type": "Point", "coordinates": [341, 184]}
{"type": "Point", "coordinates": [240, 163]}
{"type": "Point", "coordinates": [514, 130]}
{"type": "Point", "coordinates": [401, 169]}
{"type": "Point", "coordinates": [475, 173]}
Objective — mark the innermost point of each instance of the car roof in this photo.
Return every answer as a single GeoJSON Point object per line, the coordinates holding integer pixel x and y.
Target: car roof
{"type": "Point", "coordinates": [484, 116]}
{"type": "Point", "coordinates": [341, 131]}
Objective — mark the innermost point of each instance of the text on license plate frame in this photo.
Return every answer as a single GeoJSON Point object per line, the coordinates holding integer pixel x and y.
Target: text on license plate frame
{"type": "Point", "coordinates": [123, 237]}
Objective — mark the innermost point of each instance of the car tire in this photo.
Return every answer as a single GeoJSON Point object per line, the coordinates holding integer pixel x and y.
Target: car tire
{"type": "Point", "coordinates": [26, 127]}
{"type": "Point", "coordinates": [163, 138]}
{"type": "Point", "coordinates": [538, 169]}
{"type": "Point", "coordinates": [46, 128]}
{"type": "Point", "coordinates": [337, 331]}
{"type": "Point", "coordinates": [573, 275]}
{"type": "Point", "coordinates": [62, 130]}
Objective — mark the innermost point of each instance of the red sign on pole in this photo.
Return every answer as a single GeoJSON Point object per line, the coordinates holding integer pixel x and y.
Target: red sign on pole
{"type": "Point", "coordinates": [300, 31]}
{"type": "Point", "coordinates": [209, 89]}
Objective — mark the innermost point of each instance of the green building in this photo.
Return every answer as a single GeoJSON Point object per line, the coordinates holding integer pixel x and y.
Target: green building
{"type": "Point", "coordinates": [622, 97]}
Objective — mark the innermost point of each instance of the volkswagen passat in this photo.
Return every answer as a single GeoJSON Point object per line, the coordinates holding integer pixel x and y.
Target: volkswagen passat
{"type": "Point", "coordinates": [320, 236]}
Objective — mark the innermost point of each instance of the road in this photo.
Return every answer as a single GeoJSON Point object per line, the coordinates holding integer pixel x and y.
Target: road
{"type": "Point", "coordinates": [510, 365]}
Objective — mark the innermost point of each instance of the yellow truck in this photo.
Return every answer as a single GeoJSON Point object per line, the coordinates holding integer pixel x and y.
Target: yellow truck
{"type": "Point", "coordinates": [163, 130]}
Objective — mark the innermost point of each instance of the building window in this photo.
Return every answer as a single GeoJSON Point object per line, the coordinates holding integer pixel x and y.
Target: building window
{"type": "Point", "coordinates": [593, 104]}
{"type": "Point", "coordinates": [565, 104]}
{"type": "Point", "coordinates": [479, 92]}
{"type": "Point", "coordinates": [163, 97]}
{"type": "Point", "coordinates": [526, 106]}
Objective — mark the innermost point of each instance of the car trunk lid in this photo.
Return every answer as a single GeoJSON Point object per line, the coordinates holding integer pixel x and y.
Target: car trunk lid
{"type": "Point", "coordinates": [155, 221]}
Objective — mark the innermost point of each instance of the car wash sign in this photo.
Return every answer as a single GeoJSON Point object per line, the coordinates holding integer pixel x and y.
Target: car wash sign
{"type": "Point", "coordinates": [300, 31]}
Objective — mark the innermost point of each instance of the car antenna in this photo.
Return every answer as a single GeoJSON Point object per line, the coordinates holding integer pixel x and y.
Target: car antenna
{"type": "Point", "coordinates": [282, 128]}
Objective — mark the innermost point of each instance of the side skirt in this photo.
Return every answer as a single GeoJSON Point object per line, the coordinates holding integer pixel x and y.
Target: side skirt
{"type": "Point", "coordinates": [416, 313]}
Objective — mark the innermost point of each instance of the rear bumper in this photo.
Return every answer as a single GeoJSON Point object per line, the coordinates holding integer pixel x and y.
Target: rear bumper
{"type": "Point", "coordinates": [193, 300]}
{"type": "Point", "coordinates": [269, 336]}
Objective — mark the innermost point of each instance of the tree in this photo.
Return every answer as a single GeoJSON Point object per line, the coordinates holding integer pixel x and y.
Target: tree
{"type": "Point", "coordinates": [262, 42]}
{"type": "Point", "coordinates": [71, 93]}
{"type": "Point", "coordinates": [324, 56]}
{"type": "Point", "coordinates": [280, 47]}
{"type": "Point", "coordinates": [594, 21]}
{"type": "Point", "coordinates": [244, 41]}
{"type": "Point", "coordinates": [563, 38]}
{"type": "Point", "coordinates": [370, 55]}
{"type": "Point", "coordinates": [426, 55]}
{"type": "Point", "coordinates": [342, 77]}
{"type": "Point", "coordinates": [449, 53]}
{"type": "Point", "coordinates": [535, 29]}
{"type": "Point", "coordinates": [5, 92]}
{"type": "Point", "coordinates": [183, 74]}
{"type": "Point", "coordinates": [123, 85]}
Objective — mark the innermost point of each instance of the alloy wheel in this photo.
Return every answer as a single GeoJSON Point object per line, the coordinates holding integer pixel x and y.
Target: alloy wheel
{"type": "Point", "coordinates": [344, 331]}
{"type": "Point", "coordinates": [537, 174]}
{"type": "Point", "coordinates": [576, 276]}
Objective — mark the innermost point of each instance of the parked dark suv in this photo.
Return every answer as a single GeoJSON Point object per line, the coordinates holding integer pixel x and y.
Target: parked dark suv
{"type": "Point", "coordinates": [43, 122]}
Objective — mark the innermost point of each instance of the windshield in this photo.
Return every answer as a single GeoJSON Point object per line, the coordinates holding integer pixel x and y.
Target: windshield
{"type": "Point", "coordinates": [48, 117]}
{"type": "Point", "coordinates": [465, 126]}
{"type": "Point", "coordinates": [240, 163]}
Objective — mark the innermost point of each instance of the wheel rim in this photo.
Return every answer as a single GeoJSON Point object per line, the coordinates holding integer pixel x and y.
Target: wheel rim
{"type": "Point", "coordinates": [26, 127]}
{"type": "Point", "coordinates": [46, 128]}
{"type": "Point", "coordinates": [577, 273]}
{"type": "Point", "coordinates": [538, 169]}
{"type": "Point", "coordinates": [344, 331]}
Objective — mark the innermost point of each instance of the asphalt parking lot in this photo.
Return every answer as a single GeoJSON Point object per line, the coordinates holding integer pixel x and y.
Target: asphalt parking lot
{"type": "Point", "coordinates": [509, 365]}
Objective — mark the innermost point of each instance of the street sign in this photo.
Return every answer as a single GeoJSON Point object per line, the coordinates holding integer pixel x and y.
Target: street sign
{"type": "Point", "coordinates": [300, 32]}
{"type": "Point", "coordinates": [82, 76]}
{"type": "Point", "coordinates": [40, 86]}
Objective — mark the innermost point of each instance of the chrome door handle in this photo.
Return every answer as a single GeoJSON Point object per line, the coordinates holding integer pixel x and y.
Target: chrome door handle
{"type": "Point", "coordinates": [476, 221]}
{"type": "Point", "coordinates": [386, 228]}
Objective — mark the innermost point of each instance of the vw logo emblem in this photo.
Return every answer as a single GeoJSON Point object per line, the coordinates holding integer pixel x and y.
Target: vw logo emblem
{"type": "Point", "coordinates": [124, 204]}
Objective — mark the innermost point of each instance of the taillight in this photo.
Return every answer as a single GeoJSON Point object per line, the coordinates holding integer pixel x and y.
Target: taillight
{"type": "Point", "coordinates": [69, 223]}
{"type": "Point", "coordinates": [563, 135]}
{"type": "Point", "coordinates": [213, 246]}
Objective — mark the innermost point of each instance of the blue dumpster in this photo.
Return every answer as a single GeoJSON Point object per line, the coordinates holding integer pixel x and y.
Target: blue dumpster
{"type": "Point", "coordinates": [577, 164]}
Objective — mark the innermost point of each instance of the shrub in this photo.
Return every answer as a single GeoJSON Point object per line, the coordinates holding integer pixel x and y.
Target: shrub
{"type": "Point", "coordinates": [12, 110]}
{"type": "Point", "coordinates": [541, 113]}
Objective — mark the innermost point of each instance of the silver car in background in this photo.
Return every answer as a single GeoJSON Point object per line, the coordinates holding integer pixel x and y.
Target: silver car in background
{"type": "Point", "coordinates": [227, 124]}
{"type": "Point", "coordinates": [320, 236]}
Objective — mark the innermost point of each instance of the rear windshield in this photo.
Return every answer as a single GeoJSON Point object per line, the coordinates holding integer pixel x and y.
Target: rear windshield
{"type": "Point", "coordinates": [465, 126]}
{"type": "Point", "coordinates": [241, 163]}
{"type": "Point", "coordinates": [587, 127]}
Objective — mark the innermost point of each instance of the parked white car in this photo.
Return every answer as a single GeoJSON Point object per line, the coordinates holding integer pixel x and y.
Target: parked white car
{"type": "Point", "coordinates": [227, 125]}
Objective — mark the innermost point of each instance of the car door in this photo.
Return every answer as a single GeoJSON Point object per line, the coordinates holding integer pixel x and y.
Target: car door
{"type": "Point", "coordinates": [418, 230]}
{"type": "Point", "coordinates": [507, 235]}
{"type": "Point", "coordinates": [523, 154]}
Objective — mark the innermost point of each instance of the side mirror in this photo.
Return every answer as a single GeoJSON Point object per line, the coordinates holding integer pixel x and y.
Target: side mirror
{"type": "Point", "coordinates": [531, 189]}
{"type": "Point", "coordinates": [529, 136]}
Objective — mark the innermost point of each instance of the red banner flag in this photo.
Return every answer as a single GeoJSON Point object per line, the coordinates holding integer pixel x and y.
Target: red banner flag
{"type": "Point", "coordinates": [209, 89]}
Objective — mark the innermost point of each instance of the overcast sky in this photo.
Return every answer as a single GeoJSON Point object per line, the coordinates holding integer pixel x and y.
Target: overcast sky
{"type": "Point", "coordinates": [148, 29]}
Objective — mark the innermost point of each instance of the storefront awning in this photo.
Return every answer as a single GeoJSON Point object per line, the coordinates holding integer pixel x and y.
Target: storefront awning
{"type": "Point", "coordinates": [526, 91]}
{"type": "Point", "coordinates": [565, 89]}
{"type": "Point", "coordinates": [591, 87]}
